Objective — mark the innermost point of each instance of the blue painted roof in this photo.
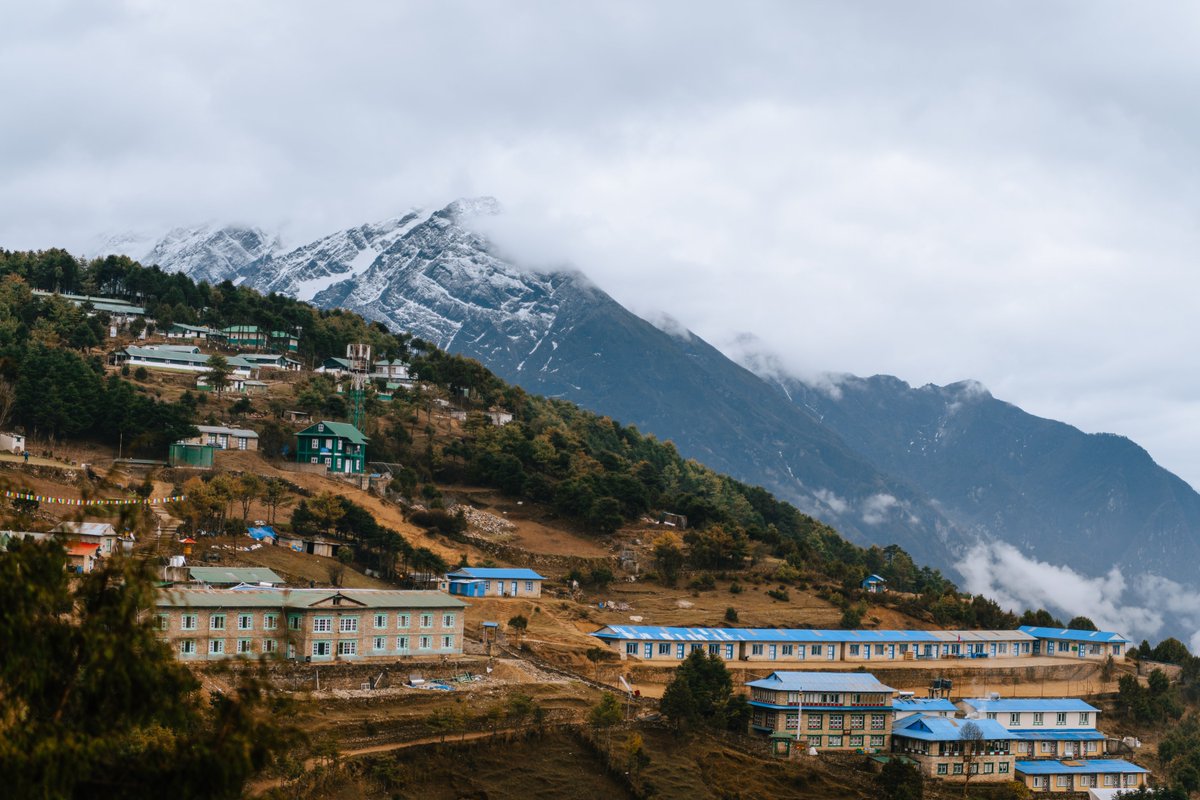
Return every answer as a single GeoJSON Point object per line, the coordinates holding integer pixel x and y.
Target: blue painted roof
{"type": "Point", "coordinates": [1011, 704]}
{"type": "Point", "coordinates": [1090, 766]}
{"type": "Point", "coordinates": [821, 682]}
{"type": "Point", "coordinates": [657, 633]}
{"type": "Point", "coordinates": [1073, 735]}
{"type": "Point", "coordinates": [496, 573]}
{"type": "Point", "coordinates": [946, 729]}
{"type": "Point", "coordinates": [1072, 635]}
{"type": "Point", "coordinates": [924, 704]}
{"type": "Point", "coordinates": [874, 579]}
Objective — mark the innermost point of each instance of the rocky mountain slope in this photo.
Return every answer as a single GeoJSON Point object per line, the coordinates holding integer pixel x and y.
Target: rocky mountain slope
{"type": "Point", "coordinates": [934, 469]}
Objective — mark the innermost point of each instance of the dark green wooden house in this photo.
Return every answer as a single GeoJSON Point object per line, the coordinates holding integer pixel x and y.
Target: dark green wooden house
{"type": "Point", "coordinates": [338, 445]}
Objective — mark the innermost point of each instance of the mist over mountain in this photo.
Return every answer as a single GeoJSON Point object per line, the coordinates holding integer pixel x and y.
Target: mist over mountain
{"type": "Point", "coordinates": [942, 471]}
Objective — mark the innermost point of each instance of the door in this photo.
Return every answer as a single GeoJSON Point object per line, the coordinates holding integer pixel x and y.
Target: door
{"type": "Point", "coordinates": [1082, 651]}
{"type": "Point", "coordinates": [800, 651]}
{"type": "Point", "coordinates": [772, 651]}
{"type": "Point", "coordinates": [993, 649]}
{"type": "Point", "coordinates": [892, 651]}
{"type": "Point", "coordinates": [514, 588]}
{"type": "Point", "coordinates": [832, 652]}
{"type": "Point", "coordinates": [867, 651]}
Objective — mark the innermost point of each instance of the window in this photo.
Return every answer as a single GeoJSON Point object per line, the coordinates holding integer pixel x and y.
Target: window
{"type": "Point", "coordinates": [163, 622]}
{"type": "Point", "coordinates": [878, 721]}
{"type": "Point", "coordinates": [403, 620]}
{"type": "Point", "coordinates": [1003, 768]}
{"type": "Point", "coordinates": [1014, 718]}
{"type": "Point", "coordinates": [380, 643]}
{"type": "Point", "coordinates": [245, 646]}
{"type": "Point", "coordinates": [1062, 781]}
{"type": "Point", "coordinates": [631, 648]}
{"type": "Point", "coordinates": [991, 715]}
{"type": "Point", "coordinates": [788, 649]}
{"type": "Point", "coordinates": [679, 650]}
{"type": "Point", "coordinates": [295, 621]}
{"type": "Point", "coordinates": [974, 767]}
{"type": "Point", "coordinates": [857, 722]}
{"type": "Point", "coordinates": [381, 620]}
{"type": "Point", "coordinates": [447, 620]}
{"type": "Point", "coordinates": [188, 622]}
{"type": "Point", "coordinates": [216, 647]}
{"type": "Point", "coordinates": [1048, 747]}
{"type": "Point", "coordinates": [447, 642]}
{"type": "Point", "coordinates": [1060, 718]}
{"type": "Point", "coordinates": [347, 647]}
{"type": "Point", "coordinates": [876, 741]}
{"type": "Point", "coordinates": [853, 649]}
{"type": "Point", "coordinates": [270, 621]}
{"type": "Point", "coordinates": [815, 649]}
{"type": "Point", "coordinates": [425, 642]}
{"type": "Point", "coordinates": [245, 622]}
{"type": "Point", "coordinates": [348, 625]}
{"type": "Point", "coordinates": [814, 741]}
{"type": "Point", "coordinates": [816, 722]}
{"type": "Point", "coordinates": [1108, 780]}
{"type": "Point", "coordinates": [322, 624]}
{"type": "Point", "coordinates": [856, 741]}
{"type": "Point", "coordinates": [878, 649]}
{"type": "Point", "coordinates": [487, 586]}
{"type": "Point", "coordinates": [664, 648]}
{"type": "Point", "coordinates": [835, 741]}
{"type": "Point", "coordinates": [427, 620]}
{"type": "Point", "coordinates": [988, 767]}
{"type": "Point", "coordinates": [1085, 718]}
{"type": "Point", "coordinates": [756, 649]}
{"type": "Point", "coordinates": [187, 647]}
{"type": "Point", "coordinates": [958, 768]}
{"type": "Point", "coordinates": [216, 622]}
{"type": "Point", "coordinates": [1039, 781]}
{"type": "Point", "coordinates": [714, 649]}
{"type": "Point", "coordinates": [837, 721]}
{"type": "Point", "coordinates": [942, 769]}
{"type": "Point", "coordinates": [1037, 718]}
{"type": "Point", "coordinates": [529, 586]}
{"type": "Point", "coordinates": [322, 649]}
{"type": "Point", "coordinates": [270, 646]}
{"type": "Point", "coordinates": [1086, 781]}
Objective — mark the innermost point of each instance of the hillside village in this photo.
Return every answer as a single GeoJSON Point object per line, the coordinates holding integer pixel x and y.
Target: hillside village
{"type": "Point", "coordinates": [405, 591]}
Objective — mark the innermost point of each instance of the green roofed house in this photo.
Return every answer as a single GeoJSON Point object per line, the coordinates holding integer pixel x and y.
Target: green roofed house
{"type": "Point", "coordinates": [340, 446]}
{"type": "Point", "coordinates": [288, 342]}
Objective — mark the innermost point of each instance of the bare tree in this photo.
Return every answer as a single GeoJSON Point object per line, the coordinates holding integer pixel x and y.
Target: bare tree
{"type": "Point", "coordinates": [973, 743]}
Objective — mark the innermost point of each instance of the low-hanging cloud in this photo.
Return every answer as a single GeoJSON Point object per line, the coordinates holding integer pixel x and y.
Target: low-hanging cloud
{"type": "Point", "coordinates": [1146, 607]}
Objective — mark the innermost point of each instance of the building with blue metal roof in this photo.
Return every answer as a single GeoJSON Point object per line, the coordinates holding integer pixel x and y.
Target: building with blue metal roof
{"type": "Point", "coordinates": [1034, 713]}
{"type": "Point", "coordinates": [824, 710]}
{"type": "Point", "coordinates": [1072, 643]}
{"type": "Point", "coordinates": [1080, 775]}
{"type": "Point", "coordinates": [933, 706]}
{"type": "Point", "coordinates": [948, 748]}
{"type": "Point", "coordinates": [664, 644]}
{"type": "Point", "coordinates": [495, 582]}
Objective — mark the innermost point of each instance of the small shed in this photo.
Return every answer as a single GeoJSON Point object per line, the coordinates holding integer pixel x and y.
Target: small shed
{"type": "Point", "coordinates": [82, 557]}
{"type": "Point", "coordinates": [199, 456]}
{"type": "Point", "coordinates": [496, 582]}
{"type": "Point", "coordinates": [874, 584]}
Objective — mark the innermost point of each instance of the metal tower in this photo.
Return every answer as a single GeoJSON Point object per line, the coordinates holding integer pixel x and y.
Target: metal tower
{"type": "Point", "coordinates": [359, 356]}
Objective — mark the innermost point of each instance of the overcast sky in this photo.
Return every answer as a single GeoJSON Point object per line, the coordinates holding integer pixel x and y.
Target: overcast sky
{"type": "Point", "coordinates": [1003, 191]}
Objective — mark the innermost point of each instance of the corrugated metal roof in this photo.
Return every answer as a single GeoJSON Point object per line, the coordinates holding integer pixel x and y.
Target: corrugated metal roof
{"type": "Point", "coordinates": [221, 429]}
{"type": "Point", "coordinates": [658, 633]}
{"type": "Point", "coordinates": [342, 430]}
{"type": "Point", "coordinates": [85, 528]}
{"type": "Point", "coordinates": [924, 704]}
{"type": "Point", "coordinates": [1073, 635]}
{"type": "Point", "coordinates": [821, 682]}
{"type": "Point", "coordinates": [983, 636]}
{"type": "Point", "coordinates": [946, 729]}
{"type": "Point", "coordinates": [306, 598]}
{"type": "Point", "coordinates": [1082, 766]}
{"type": "Point", "coordinates": [1012, 704]}
{"type": "Point", "coordinates": [498, 573]}
{"type": "Point", "coordinates": [232, 575]}
{"type": "Point", "coordinates": [1075, 735]}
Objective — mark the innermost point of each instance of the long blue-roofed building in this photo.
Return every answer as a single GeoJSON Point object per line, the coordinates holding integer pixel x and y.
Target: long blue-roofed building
{"type": "Point", "coordinates": [1045, 727]}
{"type": "Point", "coordinates": [667, 644]}
{"type": "Point", "coordinates": [1080, 776]}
